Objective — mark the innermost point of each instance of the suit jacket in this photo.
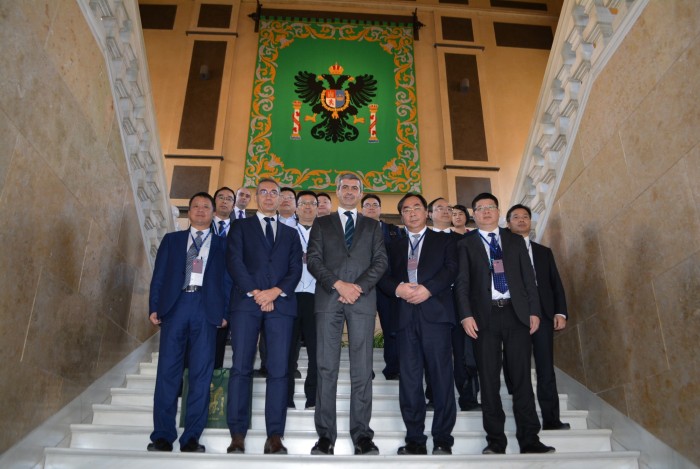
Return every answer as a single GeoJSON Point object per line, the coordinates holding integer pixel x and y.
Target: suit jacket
{"type": "Point", "coordinates": [437, 270]}
{"type": "Point", "coordinates": [254, 264]}
{"type": "Point", "coordinates": [473, 286]}
{"type": "Point", "coordinates": [169, 276]}
{"type": "Point", "coordinates": [329, 260]}
{"type": "Point", "coordinates": [391, 233]}
{"type": "Point", "coordinates": [551, 290]}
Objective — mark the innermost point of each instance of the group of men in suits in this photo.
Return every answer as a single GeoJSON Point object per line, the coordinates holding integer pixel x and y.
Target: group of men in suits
{"type": "Point", "coordinates": [248, 273]}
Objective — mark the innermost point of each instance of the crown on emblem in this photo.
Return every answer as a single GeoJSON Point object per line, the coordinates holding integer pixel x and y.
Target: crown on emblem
{"type": "Point", "coordinates": [336, 69]}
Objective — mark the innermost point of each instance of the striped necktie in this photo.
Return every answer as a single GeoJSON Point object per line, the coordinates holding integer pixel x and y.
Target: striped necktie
{"type": "Point", "coordinates": [349, 229]}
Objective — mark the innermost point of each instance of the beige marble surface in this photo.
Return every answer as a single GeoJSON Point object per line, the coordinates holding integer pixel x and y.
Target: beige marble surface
{"type": "Point", "coordinates": [72, 299]}
{"type": "Point", "coordinates": [629, 214]}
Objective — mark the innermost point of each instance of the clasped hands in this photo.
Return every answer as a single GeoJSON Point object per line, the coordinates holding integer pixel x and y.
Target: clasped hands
{"type": "Point", "coordinates": [413, 293]}
{"type": "Point", "coordinates": [265, 298]}
{"type": "Point", "coordinates": [349, 292]}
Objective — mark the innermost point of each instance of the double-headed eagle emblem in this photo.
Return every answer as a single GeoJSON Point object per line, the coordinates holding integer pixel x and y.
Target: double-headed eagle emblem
{"type": "Point", "coordinates": [335, 104]}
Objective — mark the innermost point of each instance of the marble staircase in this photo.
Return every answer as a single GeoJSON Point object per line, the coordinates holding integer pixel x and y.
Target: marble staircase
{"type": "Point", "coordinates": [120, 429]}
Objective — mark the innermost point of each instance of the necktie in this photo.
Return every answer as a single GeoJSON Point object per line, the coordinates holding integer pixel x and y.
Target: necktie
{"type": "Point", "coordinates": [499, 279]}
{"type": "Point", "coordinates": [222, 228]}
{"type": "Point", "coordinates": [240, 214]}
{"type": "Point", "coordinates": [269, 234]}
{"type": "Point", "coordinates": [349, 229]}
{"type": "Point", "coordinates": [413, 273]}
{"type": "Point", "coordinates": [191, 256]}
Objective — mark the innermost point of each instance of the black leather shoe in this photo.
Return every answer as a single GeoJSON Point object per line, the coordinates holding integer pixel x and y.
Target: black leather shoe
{"type": "Point", "coordinates": [273, 445]}
{"type": "Point", "coordinates": [161, 444]}
{"type": "Point", "coordinates": [323, 446]}
{"type": "Point", "coordinates": [537, 448]}
{"type": "Point", "coordinates": [412, 448]}
{"type": "Point", "coordinates": [237, 445]}
{"type": "Point", "coordinates": [430, 406]}
{"type": "Point", "coordinates": [261, 373]}
{"type": "Point", "coordinates": [556, 426]}
{"type": "Point", "coordinates": [493, 449]}
{"type": "Point", "coordinates": [297, 374]}
{"type": "Point", "coordinates": [392, 376]}
{"type": "Point", "coordinates": [365, 446]}
{"type": "Point", "coordinates": [192, 446]}
{"type": "Point", "coordinates": [442, 450]}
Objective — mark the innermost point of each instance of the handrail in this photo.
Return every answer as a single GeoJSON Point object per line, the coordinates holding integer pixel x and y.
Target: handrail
{"type": "Point", "coordinates": [588, 33]}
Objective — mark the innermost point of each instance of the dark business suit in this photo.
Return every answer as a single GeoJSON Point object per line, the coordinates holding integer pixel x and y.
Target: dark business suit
{"type": "Point", "coordinates": [329, 260]}
{"type": "Point", "coordinates": [553, 301]}
{"type": "Point", "coordinates": [255, 265]}
{"type": "Point", "coordinates": [188, 327]}
{"type": "Point", "coordinates": [222, 333]}
{"type": "Point", "coordinates": [386, 307]}
{"type": "Point", "coordinates": [424, 335]}
{"type": "Point", "coordinates": [506, 327]}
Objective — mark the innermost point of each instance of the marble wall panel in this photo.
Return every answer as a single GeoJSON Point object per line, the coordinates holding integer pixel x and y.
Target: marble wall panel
{"type": "Point", "coordinates": [115, 150]}
{"type": "Point", "coordinates": [664, 127]}
{"type": "Point", "coordinates": [677, 293]}
{"type": "Point", "coordinates": [574, 167]}
{"type": "Point", "coordinates": [616, 397]}
{"type": "Point", "coordinates": [29, 396]}
{"type": "Point", "coordinates": [130, 242]}
{"type": "Point", "coordinates": [139, 325]}
{"type": "Point", "coordinates": [40, 15]}
{"type": "Point", "coordinates": [77, 58]}
{"type": "Point", "coordinates": [666, 405]}
{"type": "Point", "coordinates": [8, 140]}
{"type": "Point", "coordinates": [583, 273]}
{"type": "Point", "coordinates": [116, 344]}
{"type": "Point", "coordinates": [605, 356]}
{"type": "Point", "coordinates": [64, 333]}
{"type": "Point", "coordinates": [692, 169]}
{"type": "Point", "coordinates": [107, 279]}
{"type": "Point", "coordinates": [567, 352]}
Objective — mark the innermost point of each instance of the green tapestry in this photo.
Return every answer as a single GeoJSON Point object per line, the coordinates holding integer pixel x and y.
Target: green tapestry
{"type": "Point", "coordinates": [332, 97]}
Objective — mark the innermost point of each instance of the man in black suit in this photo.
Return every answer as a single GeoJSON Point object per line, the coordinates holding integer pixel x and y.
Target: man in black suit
{"type": "Point", "coordinates": [347, 256]}
{"type": "Point", "coordinates": [372, 208]}
{"type": "Point", "coordinates": [499, 307]}
{"type": "Point", "coordinates": [224, 200]}
{"type": "Point", "coordinates": [421, 271]}
{"type": "Point", "coordinates": [554, 315]}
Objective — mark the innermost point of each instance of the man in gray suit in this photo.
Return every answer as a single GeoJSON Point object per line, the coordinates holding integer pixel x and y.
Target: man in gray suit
{"type": "Point", "coordinates": [346, 255]}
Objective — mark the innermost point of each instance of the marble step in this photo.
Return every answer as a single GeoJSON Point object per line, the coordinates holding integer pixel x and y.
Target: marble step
{"type": "Point", "coordinates": [62, 458]}
{"type": "Point", "coordinates": [380, 386]}
{"type": "Point", "coordinates": [144, 397]}
{"type": "Point", "coordinates": [300, 442]}
{"type": "Point", "coordinates": [142, 416]}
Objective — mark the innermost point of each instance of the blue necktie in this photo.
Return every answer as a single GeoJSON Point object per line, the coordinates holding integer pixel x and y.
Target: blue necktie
{"type": "Point", "coordinates": [269, 234]}
{"type": "Point", "coordinates": [222, 228]}
{"type": "Point", "coordinates": [499, 280]}
{"type": "Point", "coordinates": [191, 256]}
{"type": "Point", "coordinates": [240, 214]}
{"type": "Point", "coordinates": [349, 229]}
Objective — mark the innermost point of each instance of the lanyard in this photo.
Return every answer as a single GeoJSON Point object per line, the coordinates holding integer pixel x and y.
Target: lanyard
{"type": "Point", "coordinates": [301, 233]}
{"type": "Point", "coordinates": [413, 248]}
{"type": "Point", "coordinates": [203, 241]}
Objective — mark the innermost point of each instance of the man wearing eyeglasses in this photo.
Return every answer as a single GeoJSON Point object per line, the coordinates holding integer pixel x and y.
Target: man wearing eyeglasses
{"type": "Point", "coordinates": [466, 381]}
{"type": "Point", "coordinates": [224, 200]}
{"type": "Point", "coordinates": [264, 260]}
{"type": "Point", "coordinates": [305, 322]}
{"type": "Point", "coordinates": [372, 208]}
{"type": "Point", "coordinates": [499, 307]}
{"type": "Point", "coordinates": [288, 206]}
{"type": "Point", "coordinates": [347, 257]}
{"type": "Point", "coordinates": [421, 271]}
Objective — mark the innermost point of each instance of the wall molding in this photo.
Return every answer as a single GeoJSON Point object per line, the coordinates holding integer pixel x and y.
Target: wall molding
{"type": "Point", "coordinates": [588, 34]}
{"type": "Point", "coordinates": [116, 25]}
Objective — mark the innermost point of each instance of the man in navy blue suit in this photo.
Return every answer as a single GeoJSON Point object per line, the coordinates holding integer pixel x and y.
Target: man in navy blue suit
{"type": "Point", "coordinates": [188, 299]}
{"type": "Point", "coordinates": [264, 259]}
{"type": "Point", "coordinates": [421, 271]}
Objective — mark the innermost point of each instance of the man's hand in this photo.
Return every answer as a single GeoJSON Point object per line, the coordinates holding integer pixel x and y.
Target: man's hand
{"type": "Point", "coordinates": [404, 290]}
{"type": "Point", "coordinates": [154, 319]}
{"type": "Point", "coordinates": [559, 322]}
{"type": "Point", "coordinates": [419, 295]}
{"type": "Point", "coordinates": [534, 324]}
{"type": "Point", "coordinates": [265, 297]}
{"type": "Point", "coordinates": [268, 308]}
{"type": "Point", "coordinates": [469, 325]}
{"type": "Point", "coordinates": [349, 292]}
{"type": "Point", "coordinates": [224, 323]}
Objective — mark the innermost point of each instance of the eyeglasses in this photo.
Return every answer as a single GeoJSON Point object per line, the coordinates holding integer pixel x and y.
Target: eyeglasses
{"type": "Point", "coordinates": [307, 204]}
{"type": "Point", "coordinates": [410, 210]}
{"type": "Point", "coordinates": [223, 197]}
{"type": "Point", "coordinates": [368, 205]}
{"type": "Point", "coordinates": [485, 207]}
{"type": "Point", "coordinates": [442, 209]}
{"type": "Point", "coordinates": [288, 197]}
{"type": "Point", "coordinates": [273, 193]}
